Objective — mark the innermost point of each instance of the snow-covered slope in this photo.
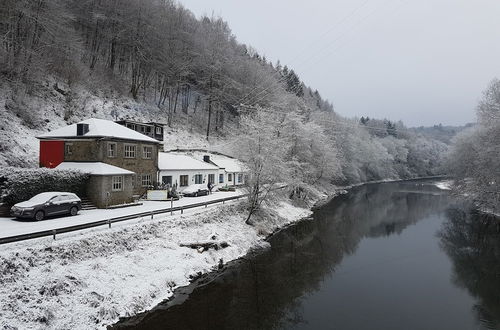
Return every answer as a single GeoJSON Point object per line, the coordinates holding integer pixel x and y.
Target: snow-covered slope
{"type": "Point", "coordinates": [88, 280]}
{"type": "Point", "coordinates": [47, 109]}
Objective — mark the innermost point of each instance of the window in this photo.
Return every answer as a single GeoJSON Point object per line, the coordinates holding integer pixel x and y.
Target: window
{"type": "Point", "coordinates": [240, 178]}
{"type": "Point", "coordinates": [184, 180]}
{"type": "Point", "coordinates": [158, 130]}
{"type": "Point", "coordinates": [198, 178]}
{"type": "Point", "coordinates": [130, 150]}
{"type": "Point", "coordinates": [146, 180]}
{"type": "Point", "coordinates": [167, 180]}
{"type": "Point", "coordinates": [229, 177]}
{"type": "Point", "coordinates": [131, 126]}
{"type": "Point", "coordinates": [211, 178]}
{"type": "Point", "coordinates": [221, 178]}
{"type": "Point", "coordinates": [143, 129]}
{"type": "Point", "coordinates": [147, 152]}
{"type": "Point", "coordinates": [117, 183]}
{"type": "Point", "coordinates": [111, 149]}
{"type": "Point", "coordinates": [69, 149]}
{"type": "Point", "coordinates": [56, 199]}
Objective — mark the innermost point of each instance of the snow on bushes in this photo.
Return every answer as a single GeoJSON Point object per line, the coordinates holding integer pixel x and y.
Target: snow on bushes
{"type": "Point", "coordinates": [20, 184]}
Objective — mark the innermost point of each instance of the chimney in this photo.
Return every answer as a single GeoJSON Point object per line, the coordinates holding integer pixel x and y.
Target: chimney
{"type": "Point", "coordinates": [206, 159]}
{"type": "Point", "coordinates": [82, 129]}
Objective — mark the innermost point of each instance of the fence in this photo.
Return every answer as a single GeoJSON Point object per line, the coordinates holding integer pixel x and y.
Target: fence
{"type": "Point", "coordinates": [108, 222]}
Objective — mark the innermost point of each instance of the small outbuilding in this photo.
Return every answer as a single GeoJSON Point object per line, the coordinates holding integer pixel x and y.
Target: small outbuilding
{"type": "Point", "coordinates": [108, 185]}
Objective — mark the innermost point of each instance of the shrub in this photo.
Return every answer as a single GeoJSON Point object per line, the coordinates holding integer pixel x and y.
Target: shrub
{"type": "Point", "coordinates": [20, 184]}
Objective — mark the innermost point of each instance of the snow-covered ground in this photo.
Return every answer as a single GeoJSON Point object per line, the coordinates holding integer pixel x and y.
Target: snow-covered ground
{"type": "Point", "coordinates": [444, 185]}
{"type": "Point", "coordinates": [11, 226]}
{"type": "Point", "coordinates": [87, 280]}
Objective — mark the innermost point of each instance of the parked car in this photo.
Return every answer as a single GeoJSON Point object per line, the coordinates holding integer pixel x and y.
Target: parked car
{"type": "Point", "coordinates": [195, 190]}
{"type": "Point", "coordinates": [227, 188]}
{"type": "Point", "coordinates": [47, 204]}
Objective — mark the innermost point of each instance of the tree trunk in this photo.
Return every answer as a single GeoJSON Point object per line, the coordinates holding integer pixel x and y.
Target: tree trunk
{"type": "Point", "coordinates": [176, 97]}
{"type": "Point", "coordinates": [209, 116]}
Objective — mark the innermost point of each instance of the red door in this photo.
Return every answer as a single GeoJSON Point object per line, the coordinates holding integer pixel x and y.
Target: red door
{"type": "Point", "coordinates": [51, 153]}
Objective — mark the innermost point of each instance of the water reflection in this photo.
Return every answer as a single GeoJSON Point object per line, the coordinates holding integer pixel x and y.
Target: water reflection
{"type": "Point", "coordinates": [267, 289]}
{"type": "Point", "coordinates": [472, 241]}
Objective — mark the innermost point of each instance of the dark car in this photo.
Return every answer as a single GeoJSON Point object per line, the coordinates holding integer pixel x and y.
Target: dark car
{"type": "Point", "coordinates": [195, 190]}
{"type": "Point", "coordinates": [47, 204]}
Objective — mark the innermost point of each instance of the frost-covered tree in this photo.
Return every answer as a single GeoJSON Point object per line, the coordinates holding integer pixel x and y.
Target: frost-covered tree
{"type": "Point", "coordinates": [261, 146]}
{"type": "Point", "coordinates": [475, 156]}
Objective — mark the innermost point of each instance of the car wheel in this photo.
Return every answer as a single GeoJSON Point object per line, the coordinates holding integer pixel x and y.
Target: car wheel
{"type": "Point", "coordinates": [195, 194]}
{"type": "Point", "coordinates": [73, 211]}
{"type": "Point", "coordinates": [39, 215]}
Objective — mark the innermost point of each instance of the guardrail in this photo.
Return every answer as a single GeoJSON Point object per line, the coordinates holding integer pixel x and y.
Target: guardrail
{"type": "Point", "coordinates": [108, 222]}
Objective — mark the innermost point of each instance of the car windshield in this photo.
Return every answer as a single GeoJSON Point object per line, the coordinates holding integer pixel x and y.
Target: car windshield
{"type": "Point", "coordinates": [41, 198]}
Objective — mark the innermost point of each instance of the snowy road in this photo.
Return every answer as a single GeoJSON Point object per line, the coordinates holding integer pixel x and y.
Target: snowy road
{"type": "Point", "coordinates": [12, 226]}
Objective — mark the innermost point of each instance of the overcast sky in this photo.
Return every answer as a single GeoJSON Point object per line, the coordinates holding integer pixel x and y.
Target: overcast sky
{"type": "Point", "coordinates": [421, 61]}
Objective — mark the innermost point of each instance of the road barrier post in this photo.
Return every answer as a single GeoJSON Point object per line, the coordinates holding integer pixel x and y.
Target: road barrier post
{"type": "Point", "coordinates": [54, 233]}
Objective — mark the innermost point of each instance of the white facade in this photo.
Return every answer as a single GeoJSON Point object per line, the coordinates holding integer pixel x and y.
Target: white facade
{"type": "Point", "coordinates": [232, 169]}
{"type": "Point", "coordinates": [232, 178]}
{"type": "Point", "coordinates": [173, 177]}
{"type": "Point", "coordinates": [180, 171]}
{"type": "Point", "coordinates": [200, 167]}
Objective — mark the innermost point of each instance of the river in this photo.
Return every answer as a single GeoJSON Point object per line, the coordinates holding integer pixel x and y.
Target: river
{"type": "Point", "coordinates": [384, 256]}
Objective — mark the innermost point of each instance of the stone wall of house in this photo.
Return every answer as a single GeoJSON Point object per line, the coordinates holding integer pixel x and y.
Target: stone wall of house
{"type": "Point", "coordinates": [139, 164]}
{"type": "Point", "coordinates": [96, 150]}
{"type": "Point", "coordinates": [99, 186]}
{"type": "Point", "coordinates": [81, 151]}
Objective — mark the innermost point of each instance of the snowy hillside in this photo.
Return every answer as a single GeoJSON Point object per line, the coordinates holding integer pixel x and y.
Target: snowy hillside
{"type": "Point", "coordinates": [48, 109]}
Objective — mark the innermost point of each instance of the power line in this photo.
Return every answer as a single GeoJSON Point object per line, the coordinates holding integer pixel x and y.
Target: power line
{"type": "Point", "coordinates": [337, 24]}
{"type": "Point", "coordinates": [324, 48]}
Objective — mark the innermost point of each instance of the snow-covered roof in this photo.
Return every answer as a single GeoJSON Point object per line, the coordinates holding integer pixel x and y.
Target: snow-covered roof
{"type": "Point", "coordinates": [98, 128]}
{"type": "Point", "coordinates": [94, 168]}
{"type": "Point", "coordinates": [171, 161]}
{"type": "Point", "coordinates": [230, 165]}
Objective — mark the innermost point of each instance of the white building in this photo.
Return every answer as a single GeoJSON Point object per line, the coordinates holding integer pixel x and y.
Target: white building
{"type": "Point", "coordinates": [182, 170]}
{"type": "Point", "coordinates": [232, 171]}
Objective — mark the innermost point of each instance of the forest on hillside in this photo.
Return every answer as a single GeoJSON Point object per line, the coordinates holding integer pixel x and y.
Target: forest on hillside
{"type": "Point", "coordinates": [154, 59]}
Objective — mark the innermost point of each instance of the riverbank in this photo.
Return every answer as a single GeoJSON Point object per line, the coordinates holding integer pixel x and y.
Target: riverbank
{"type": "Point", "coordinates": [107, 274]}
{"type": "Point", "coordinates": [343, 243]}
{"type": "Point", "coordinates": [131, 268]}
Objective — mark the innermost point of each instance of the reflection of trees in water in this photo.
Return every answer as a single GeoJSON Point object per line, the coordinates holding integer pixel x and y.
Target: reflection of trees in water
{"type": "Point", "coordinates": [472, 241]}
{"type": "Point", "coordinates": [266, 290]}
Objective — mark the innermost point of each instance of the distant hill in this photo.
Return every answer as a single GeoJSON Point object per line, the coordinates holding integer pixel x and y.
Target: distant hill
{"type": "Point", "coordinates": [441, 133]}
